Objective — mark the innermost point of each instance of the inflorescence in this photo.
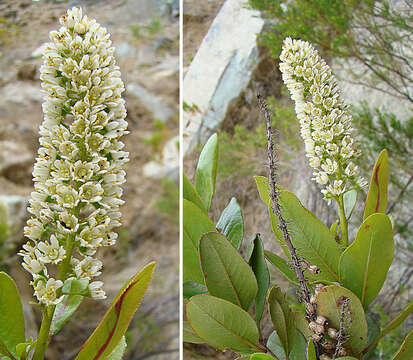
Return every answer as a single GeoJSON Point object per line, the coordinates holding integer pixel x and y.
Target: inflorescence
{"type": "Point", "coordinates": [79, 169]}
{"type": "Point", "coordinates": [324, 118]}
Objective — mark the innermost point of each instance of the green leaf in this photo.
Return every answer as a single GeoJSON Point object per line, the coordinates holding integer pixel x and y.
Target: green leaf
{"type": "Point", "coordinates": [282, 318]}
{"type": "Point", "coordinates": [334, 228]}
{"type": "Point", "coordinates": [349, 199]}
{"type": "Point", "coordinates": [11, 314]}
{"type": "Point", "coordinates": [231, 223]}
{"type": "Point", "coordinates": [310, 353]}
{"type": "Point", "coordinates": [329, 300]}
{"type": "Point", "coordinates": [260, 269]}
{"type": "Point", "coordinates": [297, 352]}
{"type": "Point", "coordinates": [301, 324]}
{"type": "Point", "coordinates": [226, 273]}
{"type": "Point", "coordinates": [23, 349]}
{"type": "Point", "coordinates": [281, 265]}
{"type": "Point", "coordinates": [190, 335]}
{"type": "Point", "coordinates": [365, 263]}
{"type": "Point", "coordinates": [65, 309]}
{"type": "Point", "coordinates": [195, 224]}
{"type": "Point", "coordinates": [118, 351]}
{"type": "Point", "coordinates": [406, 349]}
{"type": "Point", "coordinates": [117, 318]}
{"type": "Point", "coordinates": [398, 319]}
{"type": "Point", "coordinates": [261, 356]}
{"type": "Point", "coordinates": [191, 288]}
{"type": "Point", "coordinates": [223, 324]}
{"type": "Point", "coordinates": [206, 171]}
{"type": "Point", "coordinates": [190, 194]}
{"type": "Point", "coordinates": [263, 190]}
{"type": "Point", "coordinates": [311, 238]}
{"type": "Point", "coordinates": [275, 346]}
{"type": "Point", "coordinates": [377, 197]}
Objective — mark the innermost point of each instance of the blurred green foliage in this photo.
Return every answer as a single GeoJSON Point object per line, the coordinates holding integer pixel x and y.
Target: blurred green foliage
{"type": "Point", "coordinates": [391, 342]}
{"type": "Point", "coordinates": [241, 150]}
{"type": "Point", "coordinates": [168, 202]}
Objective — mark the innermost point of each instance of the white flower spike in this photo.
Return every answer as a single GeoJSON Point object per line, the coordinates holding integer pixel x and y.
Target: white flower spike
{"type": "Point", "coordinates": [79, 169]}
{"type": "Point", "coordinates": [325, 121]}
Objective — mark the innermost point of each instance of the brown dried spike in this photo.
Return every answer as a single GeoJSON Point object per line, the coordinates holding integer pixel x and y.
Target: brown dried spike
{"type": "Point", "coordinates": [328, 345]}
{"type": "Point", "coordinates": [317, 337]}
{"type": "Point", "coordinates": [313, 299]}
{"type": "Point", "coordinates": [325, 357]}
{"type": "Point", "coordinates": [333, 333]}
{"type": "Point", "coordinates": [341, 352]}
{"type": "Point", "coordinates": [321, 320]}
{"type": "Point", "coordinates": [318, 329]}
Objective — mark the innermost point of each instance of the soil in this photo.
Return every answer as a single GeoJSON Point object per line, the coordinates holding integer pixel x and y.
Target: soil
{"type": "Point", "coordinates": [150, 36]}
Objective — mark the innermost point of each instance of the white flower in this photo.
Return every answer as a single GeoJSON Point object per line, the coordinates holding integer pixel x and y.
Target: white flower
{"type": "Point", "coordinates": [324, 119]}
{"type": "Point", "coordinates": [87, 268]}
{"type": "Point", "coordinates": [50, 252]}
{"type": "Point", "coordinates": [79, 169]}
{"type": "Point", "coordinates": [96, 291]}
{"type": "Point", "coordinates": [46, 291]}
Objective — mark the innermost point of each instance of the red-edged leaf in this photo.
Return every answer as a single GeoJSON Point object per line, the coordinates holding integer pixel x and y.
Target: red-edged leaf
{"type": "Point", "coordinates": [117, 318]}
{"type": "Point", "coordinates": [377, 197]}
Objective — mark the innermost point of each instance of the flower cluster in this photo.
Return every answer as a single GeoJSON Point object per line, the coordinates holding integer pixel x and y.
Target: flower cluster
{"type": "Point", "coordinates": [324, 118]}
{"type": "Point", "coordinates": [78, 171]}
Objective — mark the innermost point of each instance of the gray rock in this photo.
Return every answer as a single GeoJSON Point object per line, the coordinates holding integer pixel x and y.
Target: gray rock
{"type": "Point", "coordinates": [15, 160]}
{"type": "Point", "coordinates": [168, 166]}
{"type": "Point", "coordinates": [221, 70]}
{"type": "Point", "coordinates": [21, 92]}
{"type": "Point", "coordinates": [151, 102]}
{"type": "Point", "coordinates": [15, 209]}
{"type": "Point", "coordinates": [124, 50]}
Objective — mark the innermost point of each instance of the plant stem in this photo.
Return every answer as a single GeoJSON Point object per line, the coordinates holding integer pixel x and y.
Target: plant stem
{"type": "Point", "coordinates": [48, 311]}
{"type": "Point", "coordinates": [343, 222]}
{"type": "Point", "coordinates": [44, 333]}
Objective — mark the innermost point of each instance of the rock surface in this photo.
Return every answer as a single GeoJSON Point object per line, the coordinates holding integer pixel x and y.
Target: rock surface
{"type": "Point", "coordinates": [220, 71]}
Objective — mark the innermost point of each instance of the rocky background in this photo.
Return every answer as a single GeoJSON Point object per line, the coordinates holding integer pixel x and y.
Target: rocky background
{"type": "Point", "coordinates": [146, 36]}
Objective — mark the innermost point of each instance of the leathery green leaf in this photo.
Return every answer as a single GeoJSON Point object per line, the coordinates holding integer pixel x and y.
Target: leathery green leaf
{"type": "Point", "coordinates": [297, 352]}
{"type": "Point", "coordinates": [281, 265]}
{"type": "Point", "coordinates": [11, 314]}
{"type": "Point", "coordinates": [206, 171]}
{"type": "Point", "coordinates": [311, 238]}
{"type": "Point", "coordinates": [282, 318]}
{"type": "Point", "coordinates": [406, 349]}
{"type": "Point", "coordinates": [118, 351]}
{"type": "Point", "coordinates": [190, 335]}
{"type": "Point", "coordinates": [260, 269]}
{"type": "Point", "coordinates": [365, 263]}
{"type": "Point", "coordinates": [377, 196]}
{"type": "Point", "coordinates": [226, 273]}
{"type": "Point", "coordinates": [329, 304]}
{"type": "Point", "coordinates": [222, 324]}
{"type": "Point", "coordinates": [231, 223]}
{"type": "Point", "coordinates": [116, 320]}
{"type": "Point", "coordinates": [189, 193]}
{"type": "Point", "coordinates": [310, 353]}
{"type": "Point", "coordinates": [195, 224]}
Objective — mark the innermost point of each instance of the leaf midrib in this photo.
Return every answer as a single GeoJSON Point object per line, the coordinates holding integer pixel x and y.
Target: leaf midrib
{"type": "Point", "coordinates": [227, 276]}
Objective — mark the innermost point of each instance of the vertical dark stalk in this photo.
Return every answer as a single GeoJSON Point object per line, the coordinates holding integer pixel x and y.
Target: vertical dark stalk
{"type": "Point", "coordinates": [305, 293]}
